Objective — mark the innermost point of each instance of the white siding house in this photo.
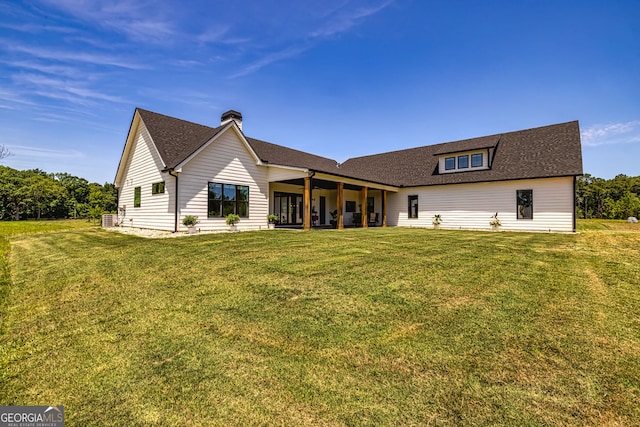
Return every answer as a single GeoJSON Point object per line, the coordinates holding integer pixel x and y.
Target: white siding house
{"type": "Point", "coordinates": [471, 206]}
{"type": "Point", "coordinates": [171, 168]}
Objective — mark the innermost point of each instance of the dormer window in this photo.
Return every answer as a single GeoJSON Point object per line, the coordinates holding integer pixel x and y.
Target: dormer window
{"type": "Point", "coordinates": [464, 161]}
{"type": "Point", "coordinates": [450, 163]}
{"type": "Point", "coordinates": [476, 160]}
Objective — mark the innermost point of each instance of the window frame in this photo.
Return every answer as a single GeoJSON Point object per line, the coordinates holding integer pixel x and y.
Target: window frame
{"type": "Point", "coordinates": [349, 206]}
{"type": "Point", "coordinates": [473, 163]}
{"type": "Point", "coordinates": [137, 197]}
{"type": "Point", "coordinates": [466, 157]}
{"type": "Point", "coordinates": [231, 198]}
{"type": "Point", "coordinates": [446, 166]}
{"type": "Point", "coordinates": [158, 187]}
{"type": "Point", "coordinates": [411, 198]}
{"type": "Point", "coordinates": [527, 202]}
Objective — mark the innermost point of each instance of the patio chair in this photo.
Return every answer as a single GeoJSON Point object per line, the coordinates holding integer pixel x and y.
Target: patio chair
{"type": "Point", "coordinates": [373, 219]}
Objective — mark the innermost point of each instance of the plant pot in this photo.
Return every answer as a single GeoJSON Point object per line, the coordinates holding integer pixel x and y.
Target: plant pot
{"type": "Point", "coordinates": [233, 227]}
{"type": "Point", "coordinates": [436, 226]}
{"type": "Point", "coordinates": [191, 229]}
{"type": "Point", "coordinates": [271, 226]}
{"type": "Point", "coordinates": [495, 228]}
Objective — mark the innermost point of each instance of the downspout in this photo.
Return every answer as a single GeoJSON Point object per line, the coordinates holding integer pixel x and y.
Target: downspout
{"type": "Point", "coordinates": [575, 208]}
{"type": "Point", "coordinates": [175, 226]}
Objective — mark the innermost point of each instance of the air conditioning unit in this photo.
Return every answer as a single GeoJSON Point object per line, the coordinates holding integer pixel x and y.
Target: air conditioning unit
{"type": "Point", "coordinates": [109, 220]}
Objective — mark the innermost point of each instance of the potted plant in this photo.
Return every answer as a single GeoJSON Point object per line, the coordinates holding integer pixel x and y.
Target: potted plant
{"type": "Point", "coordinates": [232, 220]}
{"type": "Point", "coordinates": [272, 219]}
{"type": "Point", "coordinates": [437, 220]}
{"type": "Point", "coordinates": [495, 222]}
{"type": "Point", "coordinates": [334, 218]}
{"type": "Point", "coordinates": [190, 222]}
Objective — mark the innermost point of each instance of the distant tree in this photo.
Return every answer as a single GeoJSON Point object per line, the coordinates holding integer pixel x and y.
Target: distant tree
{"type": "Point", "coordinates": [617, 198]}
{"type": "Point", "coordinates": [4, 152]}
{"type": "Point", "coordinates": [95, 213]}
{"type": "Point", "coordinates": [78, 194]}
{"type": "Point", "coordinates": [42, 194]}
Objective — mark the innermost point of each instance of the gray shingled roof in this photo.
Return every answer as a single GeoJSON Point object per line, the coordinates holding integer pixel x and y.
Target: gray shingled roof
{"type": "Point", "coordinates": [549, 151]}
{"type": "Point", "coordinates": [175, 139]}
{"type": "Point", "coordinates": [279, 155]}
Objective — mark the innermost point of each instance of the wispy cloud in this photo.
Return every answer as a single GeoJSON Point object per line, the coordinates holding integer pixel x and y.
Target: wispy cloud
{"type": "Point", "coordinates": [46, 68]}
{"type": "Point", "coordinates": [138, 20]}
{"type": "Point", "coordinates": [339, 20]}
{"type": "Point", "coordinates": [31, 151]}
{"type": "Point", "coordinates": [12, 97]}
{"type": "Point", "coordinates": [63, 89]}
{"type": "Point", "coordinates": [345, 18]}
{"type": "Point", "coordinates": [612, 133]}
{"type": "Point", "coordinates": [69, 56]}
{"type": "Point", "coordinates": [270, 59]}
{"type": "Point", "coordinates": [36, 28]}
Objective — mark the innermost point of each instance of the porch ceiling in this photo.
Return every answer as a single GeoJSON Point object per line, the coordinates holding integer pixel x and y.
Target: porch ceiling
{"type": "Point", "coordinates": [322, 184]}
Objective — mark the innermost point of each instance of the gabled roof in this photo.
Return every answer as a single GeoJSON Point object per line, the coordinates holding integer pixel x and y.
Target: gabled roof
{"type": "Point", "coordinates": [175, 139]}
{"type": "Point", "coordinates": [549, 151]}
{"type": "Point", "coordinates": [283, 156]}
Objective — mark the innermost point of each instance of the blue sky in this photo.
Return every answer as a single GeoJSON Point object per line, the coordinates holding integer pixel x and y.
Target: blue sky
{"type": "Point", "coordinates": [338, 78]}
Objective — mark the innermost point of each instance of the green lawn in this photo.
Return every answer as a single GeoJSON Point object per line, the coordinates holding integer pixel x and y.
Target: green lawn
{"type": "Point", "coordinates": [354, 327]}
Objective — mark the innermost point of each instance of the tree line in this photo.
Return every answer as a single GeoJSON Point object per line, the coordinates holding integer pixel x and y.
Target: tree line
{"type": "Point", "coordinates": [35, 194]}
{"type": "Point", "coordinates": [617, 198]}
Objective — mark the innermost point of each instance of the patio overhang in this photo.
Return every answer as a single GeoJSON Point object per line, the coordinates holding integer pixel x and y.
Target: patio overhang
{"type": "Point", "coordinates": [323, 181]}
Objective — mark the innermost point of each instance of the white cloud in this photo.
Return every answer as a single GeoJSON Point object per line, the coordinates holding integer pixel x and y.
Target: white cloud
{"type": "Point", "coordinates": [31, 151]}
{"type": "Point", "coordinates": [345, 19]}
{"type": "Point", "coordinates": [270, 59]}
{"type": "Point", "coordinates": [139, 20]}
{"type": "Point", "coordinates": [612, 133]}
{"type": "Point", "coordinates": [339, 20]}
{"type": "Point", "coordinates": [68, 90]}
{"type": "Point", "coordinates": [68, 56]}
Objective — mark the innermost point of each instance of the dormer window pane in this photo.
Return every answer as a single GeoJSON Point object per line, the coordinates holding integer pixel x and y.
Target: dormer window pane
{"type": "Point", "coordinates": [463, 162]}
{"type": "Point", "coordinates": [476, 160]}
{"type": "Point", "coordinates": [450, 163]}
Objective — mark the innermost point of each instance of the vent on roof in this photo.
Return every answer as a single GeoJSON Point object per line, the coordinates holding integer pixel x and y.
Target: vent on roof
{"type": "Point", "coordinates": [232, 115]}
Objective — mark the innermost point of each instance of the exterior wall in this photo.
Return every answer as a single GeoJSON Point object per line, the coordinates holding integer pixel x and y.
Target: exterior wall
{"type": "Point", "coordinates": [226, 160]}
{"type": "Point", "coordinates": [470, 206]}
{"type": "Point", "coordinates": [283, 174]}
{"type": "Point", "coordinates": [142, 170]}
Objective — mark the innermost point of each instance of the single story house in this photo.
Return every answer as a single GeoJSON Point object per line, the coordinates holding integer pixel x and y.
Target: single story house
{"type": "Point", "coordinates": [171, 168]}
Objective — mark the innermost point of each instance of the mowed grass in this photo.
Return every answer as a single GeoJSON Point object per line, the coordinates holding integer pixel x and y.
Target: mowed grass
{"type": "Point", "coordinates": [12, 228]}
{"type": "Point", "coordinates": [354, 327]}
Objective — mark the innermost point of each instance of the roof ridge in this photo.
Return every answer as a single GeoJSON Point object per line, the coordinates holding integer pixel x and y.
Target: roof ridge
{"type": "Point", "coordinates": [289, 148]}
{"type": "Point", "coordinates": [176, 118]}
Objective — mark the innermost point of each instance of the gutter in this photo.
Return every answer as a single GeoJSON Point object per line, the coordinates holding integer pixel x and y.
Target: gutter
{"type": "Point", "coordinates": [175, 226]}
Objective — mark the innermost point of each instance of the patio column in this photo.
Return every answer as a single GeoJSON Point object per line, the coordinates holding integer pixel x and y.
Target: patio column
{"type": "Point", "coordinates": [363, 208]}
{"type": "Point", "coordinates": [340, 225]}
{"type": "Point", "coordinates": [307, 203]}
{"type": "Point", "coordinates": [384, 208]}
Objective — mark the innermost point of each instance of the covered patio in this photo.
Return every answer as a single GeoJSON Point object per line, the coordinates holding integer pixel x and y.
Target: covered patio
{"type": "Point", "coordinates": [322, 200]}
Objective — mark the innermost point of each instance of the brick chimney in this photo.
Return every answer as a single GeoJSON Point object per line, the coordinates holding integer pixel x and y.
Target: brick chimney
{"type": "Point", "coordinates": [231, 115]}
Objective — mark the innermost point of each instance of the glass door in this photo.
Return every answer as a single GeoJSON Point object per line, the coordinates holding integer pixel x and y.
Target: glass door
{"type": "Point", "coordinates": [288, 208]}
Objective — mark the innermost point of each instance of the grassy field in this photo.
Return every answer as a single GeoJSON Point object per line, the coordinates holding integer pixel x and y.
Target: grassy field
{"type": "Point", "coordinates": [352, 327]}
